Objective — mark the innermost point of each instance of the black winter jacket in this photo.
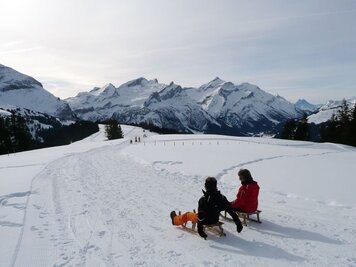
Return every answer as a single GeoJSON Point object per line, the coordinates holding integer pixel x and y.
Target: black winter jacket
{"type": "Point", "coordinates": [210, 206]}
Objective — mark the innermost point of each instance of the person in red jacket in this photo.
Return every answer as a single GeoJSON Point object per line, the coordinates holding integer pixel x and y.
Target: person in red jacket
{"type": "Point", "coordinates": [247, 196]}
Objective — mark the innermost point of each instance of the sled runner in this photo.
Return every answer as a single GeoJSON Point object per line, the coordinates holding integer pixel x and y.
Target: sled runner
{"type": "Point", "coordinates": [216, 227]}
{"type": "Point", "coordinates": [245, 216]}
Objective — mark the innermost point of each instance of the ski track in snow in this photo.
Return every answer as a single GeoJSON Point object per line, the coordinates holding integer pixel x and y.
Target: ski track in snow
{"type": "Point", "coordinates": [232, 168]}
{"type": "Point", "coordinates": [102, 208]}
{"type": "Point", "coordinates": [67, 198]}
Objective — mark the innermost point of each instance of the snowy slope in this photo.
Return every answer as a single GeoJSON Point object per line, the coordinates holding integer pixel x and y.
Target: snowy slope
{"type": "Point", "coordinates": [215, 105]}
{"type": "Point", "coordinates": [4, 113]}
{"type": "Point", "coordinates": [107, 203]}
{"type": "Point", "coordinates": [326, 111]}
{"type": "Point", "coordinates": [23, 91]}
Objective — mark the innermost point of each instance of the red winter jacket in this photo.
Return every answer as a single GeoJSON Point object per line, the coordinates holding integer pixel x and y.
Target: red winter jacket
{"type": "Point", "coordinates": [247, 197]}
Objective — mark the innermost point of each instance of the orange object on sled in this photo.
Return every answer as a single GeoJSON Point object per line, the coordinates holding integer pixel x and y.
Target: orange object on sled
{"type": "Point", "coordinates": [188, 216]}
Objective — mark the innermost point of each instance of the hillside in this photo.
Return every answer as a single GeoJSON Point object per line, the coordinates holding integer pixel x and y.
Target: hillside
{"type": "Point", "coordinates": [107, 203]}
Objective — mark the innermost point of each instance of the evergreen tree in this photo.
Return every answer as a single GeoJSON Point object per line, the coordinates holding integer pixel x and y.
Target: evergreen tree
{"type": "Point", "coordinates": [344, 113]}
{"type": "Point", "coordinates": [5, 138]}
{"type": "Point", "coordinates": [344, 119]}
{"type": "Point", "coordinates": [329, 130]}
{"type": "Point", "coordinates": [288, 131]}
{"type": "Point", "coordinates": [22, 135]}
{"type": "Point", "coordinates": [353, 127]}
{"type": "Point", "coordinates": [113, 130]}
{"type": "Point", "coordinates": [302, 129]}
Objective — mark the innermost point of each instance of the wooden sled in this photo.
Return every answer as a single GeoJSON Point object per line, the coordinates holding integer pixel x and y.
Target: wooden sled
{"type": "Point", "coordinates": [216, 227]}
{"type": "Point", "coordinates": [245, 216]}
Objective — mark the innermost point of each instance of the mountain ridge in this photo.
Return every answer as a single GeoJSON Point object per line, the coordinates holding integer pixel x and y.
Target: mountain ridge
{"type": "Point", "coordinates": [244, 107]}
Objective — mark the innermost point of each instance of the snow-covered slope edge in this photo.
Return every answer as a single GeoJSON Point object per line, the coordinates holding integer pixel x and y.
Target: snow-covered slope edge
{"type": "Point", "coordinates": [325, 112]}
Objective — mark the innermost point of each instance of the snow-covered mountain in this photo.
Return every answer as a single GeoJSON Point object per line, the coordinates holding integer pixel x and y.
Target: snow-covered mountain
{"type": "Point", "coordinates": [102, 103]}
{"type": "Point", "coordinates": [217, 106]}
{"type": "Point", "coordinates": [243, 106]}
{"type": "Point", "coordinates": [326, 111]}
{"type": "Point", "coordinates": [23, 91]}
{"type": "Point", "coordinates": [304, 106]}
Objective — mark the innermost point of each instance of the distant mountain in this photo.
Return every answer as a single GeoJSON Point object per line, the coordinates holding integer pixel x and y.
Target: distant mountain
{"type": "Point", "coordinates": [305, 106]}
{"type": "Point", "coordinates": [325, 112]}
{"type": "Point", "coordinates": [215, 107]}
{"type": "Point", "coordinates": [23, 91]}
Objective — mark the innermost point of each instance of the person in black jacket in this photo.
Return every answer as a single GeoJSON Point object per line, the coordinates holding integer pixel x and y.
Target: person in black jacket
{"type": "Point", "coordinates": [210, 206]}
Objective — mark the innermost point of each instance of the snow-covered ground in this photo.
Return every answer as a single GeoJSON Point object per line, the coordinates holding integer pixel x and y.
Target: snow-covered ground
{"type": "Point", "coordinates": [107, 203]}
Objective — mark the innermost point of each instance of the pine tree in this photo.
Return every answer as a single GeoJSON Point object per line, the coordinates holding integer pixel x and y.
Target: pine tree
{"type": "Point", "coordinates": [302, 131]}
{"type": "Point", "coordinates": [5, 138]}
{"type": "Point", "coordinates": [289, 130]}
{"type": "Point", "coordinates": [344, 113]}
{"type": "Point", "coordinates": [20, 135]}
{"type": "Point", "coordinates": [353, 127]}
{"type": "Point", "coordinates": [344, 126]}
{"type": "Point", "coordinates": [113, 130]}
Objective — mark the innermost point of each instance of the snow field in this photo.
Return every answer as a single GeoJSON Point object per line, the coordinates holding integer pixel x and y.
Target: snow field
{"type": "Point", "coordinates": [107, 203]}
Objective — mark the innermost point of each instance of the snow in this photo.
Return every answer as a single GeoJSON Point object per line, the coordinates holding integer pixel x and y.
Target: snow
{"type": "Point", "coordinates": [23, 91]}
{"type": "Point", "coordinates": [103, 102]}
{"type": "Point", "coordinates": [321, 116]}
{"type": "Point", "coordinates": [304, 105]}
{"type": "Point", "coordinates": [4, 113]}
{"type": "Point", "coordinates": [326, 111]}
{"type": "Point", "coordinates": [107, 203]}
{"type": "Point", "coordinates": [217, 101]}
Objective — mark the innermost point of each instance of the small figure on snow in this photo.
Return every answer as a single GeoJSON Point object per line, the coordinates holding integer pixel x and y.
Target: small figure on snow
{"type": "Point", "coordinates": [210, 206]}
{"type": "Point", "coordinates": [247, 195]}
{"type": "Point", "coordinates": [139, 139]}
{"type": "Point", "coordinates": [130, 141]}
{"type": "Point", "coordinates": [135, 139]}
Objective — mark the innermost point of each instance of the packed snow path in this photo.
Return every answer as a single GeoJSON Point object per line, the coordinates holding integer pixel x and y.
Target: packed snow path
{"type": "Point", "coordinates": [109, 206]}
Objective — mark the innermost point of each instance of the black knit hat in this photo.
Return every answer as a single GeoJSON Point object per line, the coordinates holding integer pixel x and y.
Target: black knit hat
{"type": "Point", "coordinates": [210, 184]}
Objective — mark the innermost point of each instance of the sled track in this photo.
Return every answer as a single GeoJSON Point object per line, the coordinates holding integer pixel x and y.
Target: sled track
{"type": "Point", "coordinates": [30, 192]}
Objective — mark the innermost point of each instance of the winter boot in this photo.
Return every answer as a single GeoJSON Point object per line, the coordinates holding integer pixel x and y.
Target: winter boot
{"type": "Point", "coordinates": [173, 215]}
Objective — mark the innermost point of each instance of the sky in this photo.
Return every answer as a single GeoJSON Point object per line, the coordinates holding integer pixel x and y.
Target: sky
{"type": "Point", "coordinates": [297, 49]}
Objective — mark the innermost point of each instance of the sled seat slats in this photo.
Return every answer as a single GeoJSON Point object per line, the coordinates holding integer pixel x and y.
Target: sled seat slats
{"type": "Point", "coordinates": [246, 216]}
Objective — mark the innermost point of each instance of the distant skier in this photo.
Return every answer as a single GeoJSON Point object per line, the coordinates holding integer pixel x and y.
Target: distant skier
{"type": "Point", "coordinates": [247, 195]}
{"type": "Point", "coordinates": [139, 139]}
{"type": "Point", "coordinates": [210, 206]}
{"type": "Point", "coordinates": [135, 139]}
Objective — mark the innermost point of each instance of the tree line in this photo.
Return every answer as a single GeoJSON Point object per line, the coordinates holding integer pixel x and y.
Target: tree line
{"type": "Point", "coordinates": [15, 135]}
{"type": "Point", "coordinates": [341, 128]}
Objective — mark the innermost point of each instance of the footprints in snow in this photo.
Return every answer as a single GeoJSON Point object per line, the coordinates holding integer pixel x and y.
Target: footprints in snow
{"type": "Point", "coordinates": [15, 201]}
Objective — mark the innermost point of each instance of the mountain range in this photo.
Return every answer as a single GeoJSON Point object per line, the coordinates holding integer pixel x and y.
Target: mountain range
{"type": "Point", "coordinates": [215, 107]}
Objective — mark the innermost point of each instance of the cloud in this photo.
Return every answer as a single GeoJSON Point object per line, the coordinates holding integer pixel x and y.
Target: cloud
{"type": "Point", "coordinates": [20, 50]}
{"type": "Point", "coordinates": [281, 46]}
